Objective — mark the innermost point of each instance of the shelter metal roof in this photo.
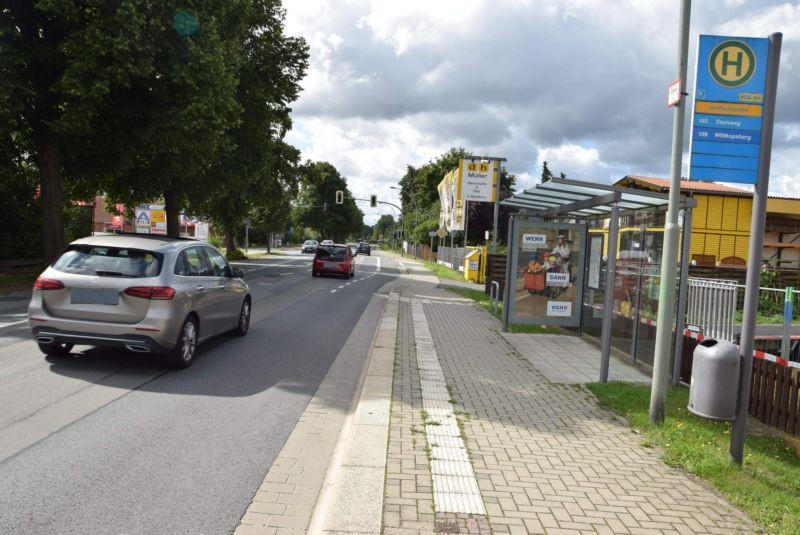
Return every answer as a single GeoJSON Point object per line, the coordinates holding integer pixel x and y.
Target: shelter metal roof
{"type": "Point", "coordinates": [579, 199]}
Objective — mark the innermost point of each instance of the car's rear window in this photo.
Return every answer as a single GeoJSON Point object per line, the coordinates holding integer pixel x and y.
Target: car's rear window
{"type": "Point", "coordinates": [331, 253]}
{"type": "Point", "coordinates": [109, 261]}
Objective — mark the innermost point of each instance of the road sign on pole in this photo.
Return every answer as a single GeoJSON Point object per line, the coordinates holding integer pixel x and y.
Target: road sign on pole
{"type": "Point", "coordinates": [727, 120]}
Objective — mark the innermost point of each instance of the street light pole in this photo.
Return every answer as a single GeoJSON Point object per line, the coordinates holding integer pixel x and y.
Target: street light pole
{"type": "Point", "coordinates": [416, 212]}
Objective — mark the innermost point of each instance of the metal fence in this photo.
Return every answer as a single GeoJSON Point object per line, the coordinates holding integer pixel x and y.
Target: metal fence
{"type": "Point", "coordinates": [711, 306]}
{"type": "Point", "coordinates": [452, 257]}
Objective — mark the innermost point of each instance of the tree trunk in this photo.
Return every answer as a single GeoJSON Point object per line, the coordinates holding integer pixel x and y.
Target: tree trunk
{"type": "Point", "coordinates": [172, 207]}
{"type": "Point", "coordinates": [52, 197]}
{"type": "Point", "coordinates": [230, 239]}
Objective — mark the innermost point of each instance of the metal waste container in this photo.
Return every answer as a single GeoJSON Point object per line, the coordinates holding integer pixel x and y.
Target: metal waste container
{"type": "Point", "coordinates": [715, 380]}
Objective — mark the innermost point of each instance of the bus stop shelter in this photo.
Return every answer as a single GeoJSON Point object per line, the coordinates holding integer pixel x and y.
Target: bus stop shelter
{"type": "Point", "coordinates": [554, 277]}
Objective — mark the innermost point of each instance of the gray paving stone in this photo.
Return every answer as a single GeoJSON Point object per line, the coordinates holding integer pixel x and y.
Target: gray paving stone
{"type": "Point", "coordinates": [551, 457]}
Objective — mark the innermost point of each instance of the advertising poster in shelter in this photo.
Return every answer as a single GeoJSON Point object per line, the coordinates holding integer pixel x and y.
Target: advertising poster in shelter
{"type": "Point", "coordinates": [548, 273]}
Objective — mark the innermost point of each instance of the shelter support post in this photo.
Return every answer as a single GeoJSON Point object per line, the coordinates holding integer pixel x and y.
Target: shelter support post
{"type": "Point", "coordinates": [680, 321]}
{"type": "Point", "coordinates": [508, 293]}
{"type": "Point", "coordinates": [608, 299]}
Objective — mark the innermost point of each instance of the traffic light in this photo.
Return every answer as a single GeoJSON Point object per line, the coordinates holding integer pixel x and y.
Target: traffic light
{"type": "Point", "coordinates": [373, 200]}
{"type": "Point", "coordinates": [339, 197]}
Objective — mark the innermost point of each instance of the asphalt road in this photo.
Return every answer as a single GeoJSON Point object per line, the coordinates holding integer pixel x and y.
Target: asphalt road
{"type": "Point", "coordinates": [108, 441]}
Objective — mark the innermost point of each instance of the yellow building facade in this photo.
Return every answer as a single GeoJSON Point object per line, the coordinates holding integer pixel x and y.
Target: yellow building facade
{"type": "Point", "coordinates": [721, 223]}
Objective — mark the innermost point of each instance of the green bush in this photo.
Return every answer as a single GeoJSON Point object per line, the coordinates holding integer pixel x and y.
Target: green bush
{"type": "Point", "coordinates": [236, 254]}
{"type": "Point", "coordinates": [215, 240]}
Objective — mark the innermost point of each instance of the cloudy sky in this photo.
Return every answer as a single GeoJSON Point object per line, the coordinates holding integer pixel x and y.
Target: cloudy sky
{"type": "Point", "coordinates": [581, 84]}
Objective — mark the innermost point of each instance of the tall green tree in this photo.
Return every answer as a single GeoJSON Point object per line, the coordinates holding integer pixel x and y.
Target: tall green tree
{"type": "Point", "coordinates": [139, 99]}
{"type": "Point", "coordinates": [547, 175]}
{"type": "Point", "coordinates": [260, 175]}
{"type": "Point", "coordinates": [177, 115]}
{"type": "Point", "coordinates": [317, 206]}
{"type": "Point", "coordinates": [384, 228]}
{"type": "Point", "coordinates": [59, 60]}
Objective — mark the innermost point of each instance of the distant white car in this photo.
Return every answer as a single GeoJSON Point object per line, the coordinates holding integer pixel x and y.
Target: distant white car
{"type": "Point", "coordinates": [327, 242]}
{"type": "Point", "coordinates": [309, 246]}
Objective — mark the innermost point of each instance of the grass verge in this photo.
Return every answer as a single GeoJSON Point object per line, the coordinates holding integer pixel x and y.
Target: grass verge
{"type": "Point", "coordinates": [444, 272]}
{"type": "Point", "coordinates": [19, 279]}
{"type": "Point", "coordinates": [766, 487]}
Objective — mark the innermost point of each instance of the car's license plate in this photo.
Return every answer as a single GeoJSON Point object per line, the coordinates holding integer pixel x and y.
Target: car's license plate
{"type": "Point", "coordinates": [93, 296]}
{"type": "Point", "coordinates": [332, 265]}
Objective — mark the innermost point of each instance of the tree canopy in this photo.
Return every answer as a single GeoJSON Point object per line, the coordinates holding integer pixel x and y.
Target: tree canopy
{"type": "Point", "coordinates": [149, 100]}
{"type": "Point", "coordinates": [317, 206]}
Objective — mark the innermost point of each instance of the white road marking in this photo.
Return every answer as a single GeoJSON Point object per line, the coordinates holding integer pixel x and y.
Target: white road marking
{"type": "Point", "coordinates": [333, 291]}
{"type": "Point", "coordinates": [12, 323]}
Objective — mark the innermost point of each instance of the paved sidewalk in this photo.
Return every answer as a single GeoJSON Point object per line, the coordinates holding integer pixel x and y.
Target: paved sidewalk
{"type": "Point", "coordinates": [546, 457]}
{"type": "Point", "coordinates": [459, 428]}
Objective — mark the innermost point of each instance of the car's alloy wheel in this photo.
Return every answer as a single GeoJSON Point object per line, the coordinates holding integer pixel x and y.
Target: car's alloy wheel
{"type": "Point", "coordinates": [183, 353]}
{"type": "Point", "coordinates": [56, 349]}
{"type": "Point", "coordinates": [244, 319]}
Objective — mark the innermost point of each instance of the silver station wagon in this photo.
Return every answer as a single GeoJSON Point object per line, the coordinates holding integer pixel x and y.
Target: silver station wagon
{"type": "Point", "coordinates": [146, 293]}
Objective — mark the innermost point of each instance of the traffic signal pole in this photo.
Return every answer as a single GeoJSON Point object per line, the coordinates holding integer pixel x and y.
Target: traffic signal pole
{"type": "Point", "coordinates": [373, 201]}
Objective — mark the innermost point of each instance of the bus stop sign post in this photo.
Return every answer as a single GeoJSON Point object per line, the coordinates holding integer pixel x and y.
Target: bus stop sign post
{"type": "Point", "coordinates": [755, 251]}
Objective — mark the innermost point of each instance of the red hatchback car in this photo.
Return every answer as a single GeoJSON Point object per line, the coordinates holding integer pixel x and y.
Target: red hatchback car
{"type": "Point", "coordinates": [336, 259]}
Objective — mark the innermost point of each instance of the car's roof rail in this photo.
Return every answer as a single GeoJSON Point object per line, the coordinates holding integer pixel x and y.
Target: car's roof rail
{"type": "Point", "coordinates": [160, 237]}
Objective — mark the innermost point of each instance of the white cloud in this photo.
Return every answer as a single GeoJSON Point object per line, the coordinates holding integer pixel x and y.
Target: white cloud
{"type": "Point", "coordinates": [578, 83]}
{"type": "Point", "coordinates": [574, 161]}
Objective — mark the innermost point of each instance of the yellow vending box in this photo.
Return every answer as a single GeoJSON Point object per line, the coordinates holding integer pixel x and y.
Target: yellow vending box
{"type": "Point", "coordinates": [472, 266]}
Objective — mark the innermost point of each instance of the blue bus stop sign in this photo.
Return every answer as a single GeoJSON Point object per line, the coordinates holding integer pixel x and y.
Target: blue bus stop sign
{"type": "Point", "coordinates": [729, 101]}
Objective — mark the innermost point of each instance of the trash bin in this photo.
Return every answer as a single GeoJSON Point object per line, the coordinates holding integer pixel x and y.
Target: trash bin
{"type": "Point", "coordinates": [715, 380]}
{"type": "Point", "coordinates": [472, 266]}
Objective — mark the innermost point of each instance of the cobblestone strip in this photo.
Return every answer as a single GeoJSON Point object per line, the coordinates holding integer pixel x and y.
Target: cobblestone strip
{"type": "Point", "coordinates": [408, 498]}
{"type": "Point", "coordinates": [548, 459]}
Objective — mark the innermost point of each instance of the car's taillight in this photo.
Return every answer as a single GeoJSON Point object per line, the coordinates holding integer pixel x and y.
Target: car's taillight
{"type": "Point", "coordinates": [151, 292]}
{"type": "Point", "coordinates": [48, 284]}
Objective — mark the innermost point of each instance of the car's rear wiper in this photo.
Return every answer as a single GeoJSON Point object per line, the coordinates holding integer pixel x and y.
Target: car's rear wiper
{"type": "Point", "coordinates": [110, 273]}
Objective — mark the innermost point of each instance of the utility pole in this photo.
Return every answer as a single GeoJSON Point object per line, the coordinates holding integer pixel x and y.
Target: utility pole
{"type": "Point", "coordinates": [666, 302]}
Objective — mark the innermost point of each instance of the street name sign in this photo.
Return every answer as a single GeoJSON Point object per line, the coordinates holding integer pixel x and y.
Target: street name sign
{"type": "Point", "coordinates": [727, 116]}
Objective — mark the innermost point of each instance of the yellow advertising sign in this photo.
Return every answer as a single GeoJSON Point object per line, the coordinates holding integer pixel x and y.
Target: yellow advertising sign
{"type": "Point", "coordinates": [158, 216]}
{"type": "Point", "coordinates": [477, 181]}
